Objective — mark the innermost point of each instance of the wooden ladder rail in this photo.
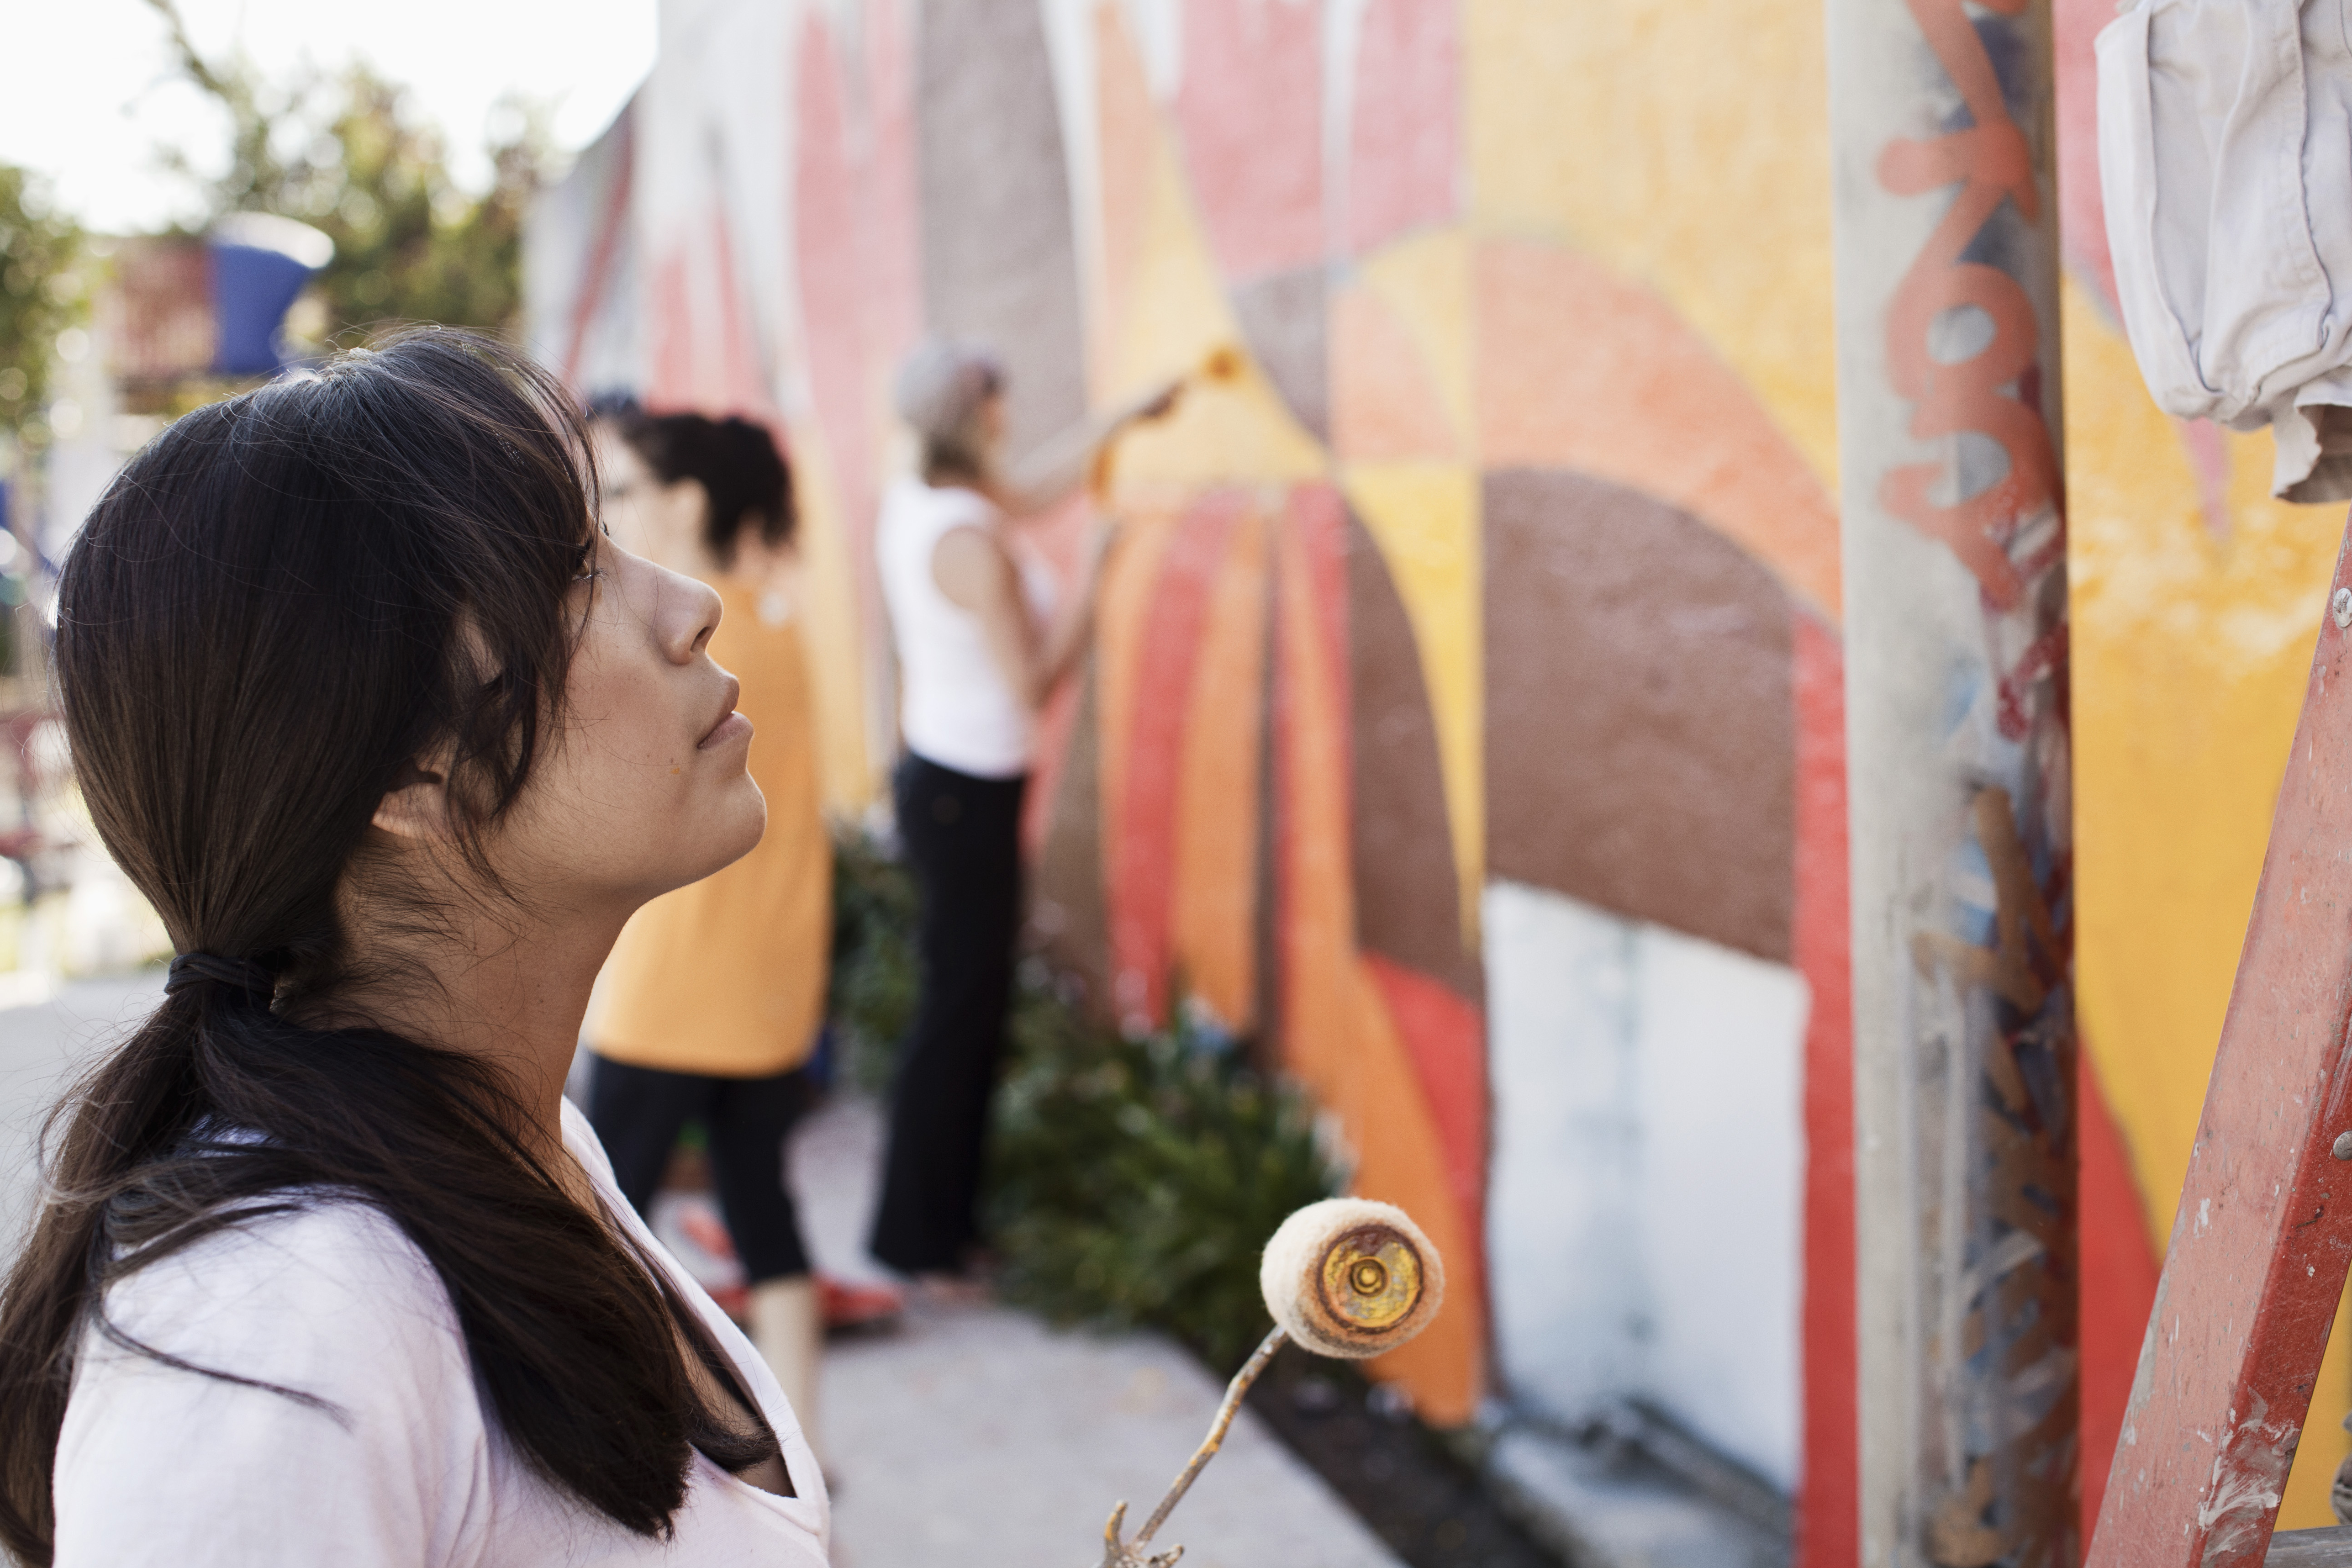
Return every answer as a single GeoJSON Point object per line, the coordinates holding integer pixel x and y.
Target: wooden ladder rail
{"type": "Point", "coordinates": [2263, 1234]}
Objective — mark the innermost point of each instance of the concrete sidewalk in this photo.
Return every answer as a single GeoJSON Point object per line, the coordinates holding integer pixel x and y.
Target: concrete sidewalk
{"type": "Point", "coordinates": [971, 1438]}
{"type": "Point", "coordinates": [979, 1438]}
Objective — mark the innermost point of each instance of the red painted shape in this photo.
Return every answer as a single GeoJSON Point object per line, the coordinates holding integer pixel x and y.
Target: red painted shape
{"type": "Point", "coordinates": [1251, 114]}
{"type": "Point", "coordinates": [1404, 163]}
{"type": "Point", "coordinates": [1829, 1502]}
{"type": "Point", "coordinates": [611, 224]}
{"type": "Point", "coordinates": [2082, 215]}
{"type": "Point", "coordinates": [836, 301]}
{"type": "Point", "coordinates": [669, 381]}
{"type": "Point", "coordinates": [1445, 1036]}
{"type": "Point", "coordinates": [2119, 1271]}
{"type": "Point", "coordinates": [889, 226]}
{"type": "Point", "coordinates": [742, 386]}
{"type": "Point", "coordinates": [2263, 1236]}
{"type": "Point", "coordinates": [1142, 880]}
{"type": "Point", "coordinates": [1990, 161]}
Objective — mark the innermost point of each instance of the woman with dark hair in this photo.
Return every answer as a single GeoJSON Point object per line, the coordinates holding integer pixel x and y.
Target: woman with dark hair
{"type": "Point", "coordinates": [711, 1003]}
{"type": "Point", "coordinates": [982, 646]}
{"type": "Point", "coordinates": [395, 741]}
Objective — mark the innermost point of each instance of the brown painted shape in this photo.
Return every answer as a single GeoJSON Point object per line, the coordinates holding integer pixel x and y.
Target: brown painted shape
{"type": "Point", "coordinates": [1069, 912]}
{"type": "Point", "coordinates": [1408, 898]}
{"type": "Point", "coordinates": [1282, 319]}
{"type": "Point", "coordinates": [1000, 263]}
{"type": "Point", "coordinates": [1640, 725]}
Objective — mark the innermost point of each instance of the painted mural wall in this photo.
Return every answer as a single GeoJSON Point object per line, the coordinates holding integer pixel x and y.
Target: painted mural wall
{"type": "Point", "coordinates": [1466, 714]}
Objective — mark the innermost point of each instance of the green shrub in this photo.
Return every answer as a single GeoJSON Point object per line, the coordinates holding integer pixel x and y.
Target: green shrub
{"type": "Point", "coordinates": [873, 981]}
{"type": "Point", "coordinates": [1131, 1181]}
{"type": "Point", "coordinates": [1134, 1182]}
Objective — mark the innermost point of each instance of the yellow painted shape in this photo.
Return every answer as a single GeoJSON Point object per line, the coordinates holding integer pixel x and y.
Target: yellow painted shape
{"type": "Point", "coordinates": [2305, 1505]}
{"type": "Point", "coordinates": [1684, 145]}
{"type": "Point", "coordinates": [1426, 282]}
{"type": "Point", "coordinates": [1212, 927]}
{"type": "Point", "coordinates": [831, 627]}
{"type": "Point", "coordinates": [1174, 314]}
{"type": "Point", "coordinates": [2191, 655]}
{"type": "Point", "coordinates": [1425, 519]}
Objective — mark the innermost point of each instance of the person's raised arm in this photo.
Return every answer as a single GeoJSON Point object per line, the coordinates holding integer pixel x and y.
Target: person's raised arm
{"type": "Point", "coordinates": [976, 572]}
{"type": "Point", "coordinates": [1061, 463]}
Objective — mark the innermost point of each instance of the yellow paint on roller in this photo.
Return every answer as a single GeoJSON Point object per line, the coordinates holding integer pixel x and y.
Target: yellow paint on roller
{"type": "Point", "coordinates": [1424, 517]}
{"type": "Point", "coordinates": [1687, 146]}
{"type": "Point", "coordinates": [2191, 655]}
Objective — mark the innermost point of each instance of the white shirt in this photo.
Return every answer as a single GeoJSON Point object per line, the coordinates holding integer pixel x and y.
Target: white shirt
{"type": "Point", "coordinates": [159, 1467]}
{"type": "Point", "coordinates": [2225, 164]}
{"type": "Point", "coordinates": [954, 707]}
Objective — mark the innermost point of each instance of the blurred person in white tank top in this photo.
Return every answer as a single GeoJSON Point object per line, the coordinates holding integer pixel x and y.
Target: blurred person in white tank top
{"type": "Point", "coordinates": [982, 643]}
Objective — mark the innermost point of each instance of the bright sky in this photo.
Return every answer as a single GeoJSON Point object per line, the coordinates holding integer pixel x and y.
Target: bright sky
{"type": "Point", "coordinates": [89, 90]}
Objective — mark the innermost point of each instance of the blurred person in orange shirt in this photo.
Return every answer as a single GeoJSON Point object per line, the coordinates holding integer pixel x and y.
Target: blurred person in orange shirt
{"type": "Point", "coordinates": [711, 1003]}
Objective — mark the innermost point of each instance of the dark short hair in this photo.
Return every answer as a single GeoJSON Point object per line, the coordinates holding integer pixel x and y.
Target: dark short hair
{"type": "Point", "coordinates": [734, 460]}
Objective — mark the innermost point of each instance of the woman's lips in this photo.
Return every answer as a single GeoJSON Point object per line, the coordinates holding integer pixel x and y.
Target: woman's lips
{"type": "Point", "coordinates": [734, 727]}
{"type": "Point", "coordinates": [731, 725]}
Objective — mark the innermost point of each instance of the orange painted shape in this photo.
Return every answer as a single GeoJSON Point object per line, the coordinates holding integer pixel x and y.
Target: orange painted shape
{"type": "Point", "coordinates": [1828, 1516]}
{"type": "Point", "coordinates": [1385, 400]}
{"type": "Point", "coordinates": [1403, 1161]}
{"type": "Point", "coordinates": [1141, 879]}
{"type": "Point", "coordinates": [1577, 368]}
{"type": "Point", "coordinates": [1445, 1037]}
{"type": "Point", "coordinates": [1217, 791]}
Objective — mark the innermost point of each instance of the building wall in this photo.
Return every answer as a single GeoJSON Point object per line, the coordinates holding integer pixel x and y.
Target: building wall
{"type": "Point", "coordinates": [1486, 620]}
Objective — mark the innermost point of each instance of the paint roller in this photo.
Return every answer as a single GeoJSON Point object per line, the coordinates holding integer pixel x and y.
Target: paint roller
{"type": "Point", "coordinates": [1346, 1277]}
{"type": "Point", "coordinates": [1221, 366]}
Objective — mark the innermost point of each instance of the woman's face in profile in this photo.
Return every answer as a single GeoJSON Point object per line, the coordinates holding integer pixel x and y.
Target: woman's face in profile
{"type": "Point", "coordinates": [643, 788]}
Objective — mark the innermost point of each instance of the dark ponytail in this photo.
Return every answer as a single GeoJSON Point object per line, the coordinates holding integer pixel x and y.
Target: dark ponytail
{"type": "Point", "coordinates": [276, 606]}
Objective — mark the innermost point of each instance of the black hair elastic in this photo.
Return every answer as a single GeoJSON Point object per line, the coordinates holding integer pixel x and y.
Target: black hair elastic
{"type": "Point", "coordinates": [256, 980]}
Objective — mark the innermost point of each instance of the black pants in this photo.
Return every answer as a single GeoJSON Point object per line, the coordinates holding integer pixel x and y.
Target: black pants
{"type": "Point", "coordinates": [962, 837]}
{"type": "Point", "coordinates": [638, 1111]}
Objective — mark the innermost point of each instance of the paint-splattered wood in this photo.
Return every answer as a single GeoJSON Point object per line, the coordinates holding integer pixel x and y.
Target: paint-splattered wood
{"type": "Point", "coordinates": [2263, 1234]}
{"type": "Point", "coordinates": [2329, 1548]}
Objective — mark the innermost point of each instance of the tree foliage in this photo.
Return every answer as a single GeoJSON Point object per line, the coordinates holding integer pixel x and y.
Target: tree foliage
{"type": "Point", "coordinates": [348, 154]}
{"type": "Point", "coordinates": [43, 292]}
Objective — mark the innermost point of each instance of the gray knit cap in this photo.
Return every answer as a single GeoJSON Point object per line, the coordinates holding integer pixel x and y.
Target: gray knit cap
{"type": "Point", "coordinates": [942, 385]}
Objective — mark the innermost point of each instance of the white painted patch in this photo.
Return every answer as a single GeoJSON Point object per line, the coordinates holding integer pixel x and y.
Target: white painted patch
{"type": "Point", "coordinates": [1644, 1206]}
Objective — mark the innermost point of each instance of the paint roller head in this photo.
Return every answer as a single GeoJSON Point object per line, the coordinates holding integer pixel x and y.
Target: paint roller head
{"type": "Point", "coordinates": [1351, 1277]}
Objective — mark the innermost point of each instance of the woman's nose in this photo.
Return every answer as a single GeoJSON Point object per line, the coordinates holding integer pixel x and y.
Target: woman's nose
{"type": "Point", "coordinates": [690, 610]}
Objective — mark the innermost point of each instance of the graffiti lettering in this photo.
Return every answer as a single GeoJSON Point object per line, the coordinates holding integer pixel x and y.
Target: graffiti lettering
{"type": "Point", "coordinates": [1992, 163]}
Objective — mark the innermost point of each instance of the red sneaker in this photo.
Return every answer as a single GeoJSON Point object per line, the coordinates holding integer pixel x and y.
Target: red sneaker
{"type": "Point", "coordinates": [849, 1307]}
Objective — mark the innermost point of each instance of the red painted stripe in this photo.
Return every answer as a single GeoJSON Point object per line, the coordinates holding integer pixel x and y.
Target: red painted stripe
{"type": "Point", "coordinates": [1143, 871]}
{"type": "Point", "coordinates": [1445, 1036]}
{"type": "Point", "coordinates": [610, 227]}
{"type": "Point", "coordinates": [1404, 172]}
{"type": "Point", "coordinates": [2120, 1272]}
{"type": "Point", "coordinates": [1828, 1495]}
